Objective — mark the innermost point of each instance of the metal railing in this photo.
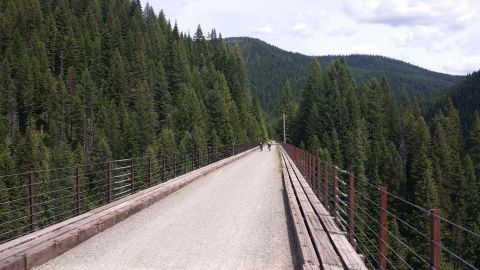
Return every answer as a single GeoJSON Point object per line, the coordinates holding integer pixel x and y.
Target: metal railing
{"type": "Point", "coordinates": [369, 214]}
{"type": "Point", "coordinates": [41, 198]}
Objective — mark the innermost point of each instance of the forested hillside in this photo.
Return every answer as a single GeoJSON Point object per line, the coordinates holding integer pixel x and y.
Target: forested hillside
{"type": "Point", "coordinates": [268, 68]}
{"type": "Point", "coordinates": [465, 95]}
{"type": "Point", "coordinates": [87, 81]}
{"type": "Point", "coordinates": [362, 128]}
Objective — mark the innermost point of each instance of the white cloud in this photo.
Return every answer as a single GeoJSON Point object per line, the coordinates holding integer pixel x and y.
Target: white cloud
{"type": "Point", "coordinates": [359, 49]}
{"type": "Point", "coordinates": [300, 26]}
{"type": "Point", "coordinates": [462, 66]}
{"type": "Point", "coordinates": [343, 32]}
{"type": "Point", "coordinates": [471, 43]}
{"type": "Point", "coordinates": [428, 37]}
{"type": "Point", "coordinates": [445, 14]}
{"type": "Point", "coordinates": [264, 29]}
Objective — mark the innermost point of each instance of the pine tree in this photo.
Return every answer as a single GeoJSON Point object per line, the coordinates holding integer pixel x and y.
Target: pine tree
{"type": "Point", "coordinates": [9, 106]}
{"type": "Point", "coordinates": [167, 143]}
{"type": "Point", "coordinates": [398, 251]}
{"type": "Point", "coordinates": [7, 166]}
{"type": "Point", "coordinates": [289, 107]}
{"type": "Point", "coordinates": [472, 219]}
{"type": "Point", "coordinates": [450, 172]}
{"type": "Point", "coordinates": [314, 146]}
{"type": "Point", "coordinates": [474, 146]}
{"type": "Point", "coordinates": [130, 135]}
{"type": "Point", "coordinates": [145, 114]}
{"type": "Point", "coordinates": [309, 97]}
{"type": "Point", "coordinates": [425, 196]}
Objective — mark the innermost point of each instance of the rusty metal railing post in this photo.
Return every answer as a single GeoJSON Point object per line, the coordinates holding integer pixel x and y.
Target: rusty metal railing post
{"type": "Point", "coordinates": [383, 229]}
{"type": "Point", "coordinates": [326, 183]}
{"type": "Point", "coordinates": [77, 190]}
{"type": "Point", "coordinates": [304, 161]}
{"type": "Point", "coordinates": [31, 196]}
{"type": "Point", "coordinates": [309, 168]}
{"type": "Point", "coordinates": [435, 248]}
{"type": "Point", "coordinates": [319, 177]}
{"type": "Point", "coordinates": [132, 176]}
{"type": "Point", "coordinates": [335, 191]}
{"type": "Point", "coordinates": [149, 171]}
{"type": "Point", "coordinates": [312, 168]}
{"type": "Point", "coordinates": [351, 213]}
{"type": "Point", "coordinates": [109, 182]}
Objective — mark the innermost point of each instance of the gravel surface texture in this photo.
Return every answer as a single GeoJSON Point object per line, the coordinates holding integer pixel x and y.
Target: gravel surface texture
{"type": "Point", "coordinates": [233, 218]}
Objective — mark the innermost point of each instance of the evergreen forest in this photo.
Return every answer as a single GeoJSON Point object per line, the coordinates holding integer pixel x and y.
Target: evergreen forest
{"type": "Point", "coordinates": [364, 129]}
{"type": "Point", "coordinates": [87, 81]}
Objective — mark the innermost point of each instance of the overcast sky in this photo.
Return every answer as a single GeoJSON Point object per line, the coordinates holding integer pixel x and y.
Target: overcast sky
{"type": "Point", "coordinates": [440, 35]}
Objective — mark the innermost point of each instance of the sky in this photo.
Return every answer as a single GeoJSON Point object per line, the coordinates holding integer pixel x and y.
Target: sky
{"type": "Point", "coordinates": [440, 35]}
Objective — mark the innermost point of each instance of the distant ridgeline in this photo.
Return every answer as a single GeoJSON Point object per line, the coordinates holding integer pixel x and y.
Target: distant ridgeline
{"type": "Point", "coordinates": [86, 81]}
{"type": "Point", "coordinates": [465, 95]}
{"type": "Point", "coordinates": [268, 68]}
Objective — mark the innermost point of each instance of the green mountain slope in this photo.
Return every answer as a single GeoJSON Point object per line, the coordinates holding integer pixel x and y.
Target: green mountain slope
{"type": "Point", "coordinates": [85, 81]}
{"type": "Point", "coordinates": [269, 67]}
{"type": "Point", "coordinates": [465, 96]}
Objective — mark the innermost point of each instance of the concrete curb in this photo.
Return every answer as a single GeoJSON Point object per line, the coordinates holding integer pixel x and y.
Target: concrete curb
{"type": "Point", "coordinates": [41, 246]}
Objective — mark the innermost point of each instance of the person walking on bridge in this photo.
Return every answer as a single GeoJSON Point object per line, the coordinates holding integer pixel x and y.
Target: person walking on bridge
{"type": "Point", "coordinates": [261, 145]}
{"type": "Point", "coordinates": [269, 143]}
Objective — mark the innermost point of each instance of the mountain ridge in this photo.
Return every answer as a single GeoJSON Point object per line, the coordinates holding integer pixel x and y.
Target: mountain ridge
{"type": "Point", "coordinates": [269, 66]}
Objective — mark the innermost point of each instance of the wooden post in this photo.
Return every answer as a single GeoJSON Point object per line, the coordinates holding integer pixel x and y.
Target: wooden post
{"type": "Point", "coordinates": [319, 177]}
{"type": "Point", "coordinates": [77, 190]}
{"type": "Point", "coordinates": [435, 249]}
{"type": "Point", "coordinates": [31, 196]}
{"type": "Point", "coordinates": [383, 229]}
{"type": "Point", "coordinates": [132, 176]}
{"type": "Point", "coordinates": [351, 213]}
{"type": "Point", "coordinates": [109, 181]}
{"type": "Point", "coordinates": [149, 171]}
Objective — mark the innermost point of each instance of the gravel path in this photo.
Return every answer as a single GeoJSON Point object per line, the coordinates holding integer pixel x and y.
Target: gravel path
{"type": "Point", "coordinates": [234, 218]}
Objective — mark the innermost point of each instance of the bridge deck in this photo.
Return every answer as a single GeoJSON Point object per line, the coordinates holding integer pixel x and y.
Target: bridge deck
{"type": "Point", "coordinates": [233, 218]}
{"type": "Point", "coordinates": [321, 244]}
